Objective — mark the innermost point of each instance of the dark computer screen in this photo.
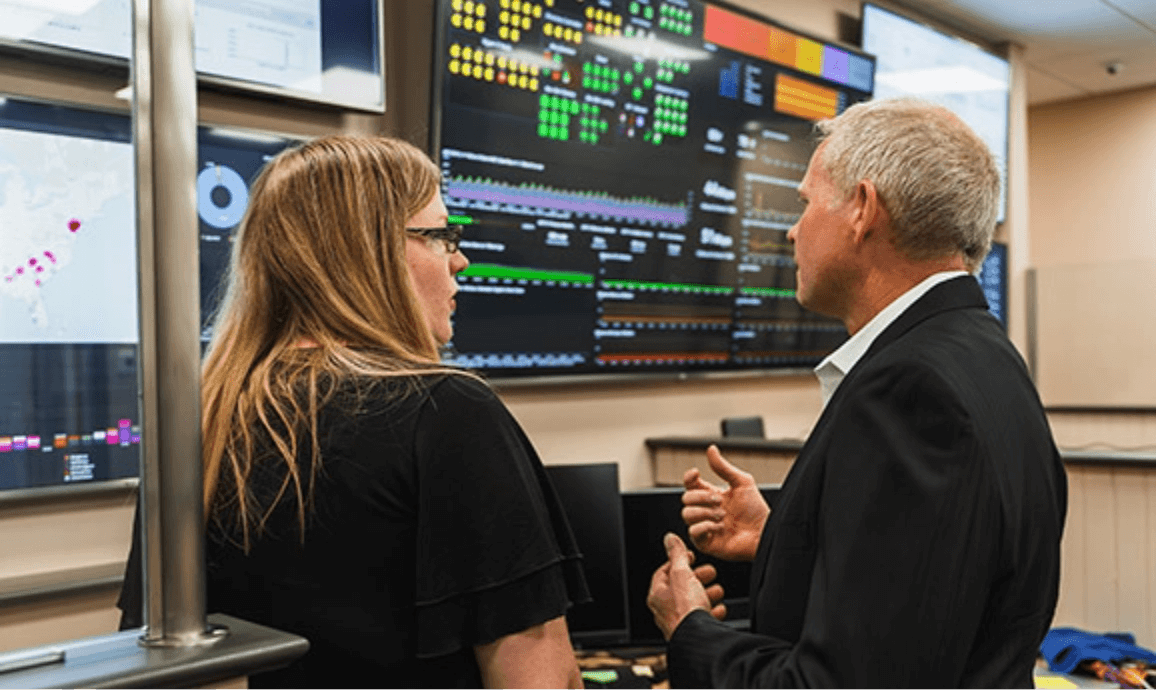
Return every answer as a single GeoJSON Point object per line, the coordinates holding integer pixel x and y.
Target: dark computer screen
{"type": "Point", "coordinates": [649, 514]}
{"type": "Point", "coordinates": [628, 172]}
{"type": "Point", "coordinates": [589, 494]}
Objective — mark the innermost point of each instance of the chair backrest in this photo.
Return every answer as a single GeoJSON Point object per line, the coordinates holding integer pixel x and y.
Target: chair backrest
{"type": "Point", "coordinates": [743, 426]}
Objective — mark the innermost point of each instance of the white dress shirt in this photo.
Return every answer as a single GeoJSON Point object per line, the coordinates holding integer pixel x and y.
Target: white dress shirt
{"type": "Point", "coordinates": [832, 370]}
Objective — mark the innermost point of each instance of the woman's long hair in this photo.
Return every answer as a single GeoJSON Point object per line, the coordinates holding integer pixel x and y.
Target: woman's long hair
{"type": "Point", "coordinates": [318, 290]}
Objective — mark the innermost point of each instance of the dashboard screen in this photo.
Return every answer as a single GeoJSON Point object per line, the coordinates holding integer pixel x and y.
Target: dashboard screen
{"type": "Point", "coordinates": [321, 51]}
{"type": "Point", "coordinates": [628, 171]}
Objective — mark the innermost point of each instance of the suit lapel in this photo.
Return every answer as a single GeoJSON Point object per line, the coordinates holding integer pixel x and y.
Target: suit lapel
{"type": "Point", "coordinates": [963, 292]}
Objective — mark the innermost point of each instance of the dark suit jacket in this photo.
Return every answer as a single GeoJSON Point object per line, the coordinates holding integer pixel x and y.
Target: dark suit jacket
{"type": "Point", "coordinates": [916, 540]}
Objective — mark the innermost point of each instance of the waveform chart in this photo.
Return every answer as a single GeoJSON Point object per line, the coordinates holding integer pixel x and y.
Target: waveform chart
{"type": "Point", "coordinates": [485, 194]}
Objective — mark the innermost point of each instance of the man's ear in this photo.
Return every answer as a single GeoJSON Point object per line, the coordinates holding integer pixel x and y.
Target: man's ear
{"type": "Point", "coordinates": [868, 215]}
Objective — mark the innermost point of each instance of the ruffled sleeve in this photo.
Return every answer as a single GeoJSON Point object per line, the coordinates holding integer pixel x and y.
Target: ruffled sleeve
{"type": "Point", "coordinates": [495, 554]}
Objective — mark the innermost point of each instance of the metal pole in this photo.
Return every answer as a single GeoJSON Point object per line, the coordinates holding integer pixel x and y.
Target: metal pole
{"type": "Point", "coordinates": [164, 136]}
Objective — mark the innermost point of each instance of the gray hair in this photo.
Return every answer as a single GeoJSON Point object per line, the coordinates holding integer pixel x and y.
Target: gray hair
{"type": "Point", "coordinates": [934, 175]}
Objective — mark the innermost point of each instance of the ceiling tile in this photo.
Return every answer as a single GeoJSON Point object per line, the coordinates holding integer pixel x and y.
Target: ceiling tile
{"type": "Point", "coordinates": [1142, 10]}
{"type": "Point", "coordinates": [1044, 88]}
{"type": "Point", "coordinates": [1088, 71]}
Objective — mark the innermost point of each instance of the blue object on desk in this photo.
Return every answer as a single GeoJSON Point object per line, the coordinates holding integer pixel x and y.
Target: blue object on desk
{"type": "Point", "coordinates": [1065, 648]}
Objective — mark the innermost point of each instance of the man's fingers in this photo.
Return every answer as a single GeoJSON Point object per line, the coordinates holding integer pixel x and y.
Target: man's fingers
{"type": "Point", "coordinates": [701, 530]}
{"type": "Point", "coordinates": [715, 594]}
{"type": "Point", "coordinates": [706, 573]}
{"type": "Point", "coordinates": [694, 514]}
{"type": "Point", "coordinates": [692, 481]}
{"type": "Point", "coordinates": [676, 552]}
{"type": "Point", "coordinates": [729, 473]}
{"type": "Point", "coordinates": [719, 611]}
{"type": "Point", "coordinates": [707, 498]}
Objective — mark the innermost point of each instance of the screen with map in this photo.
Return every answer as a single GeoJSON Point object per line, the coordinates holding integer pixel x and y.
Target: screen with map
{"type": "Point", "coordinates": [68, 287]}
{"type": "Point", "coordinates": [68, 296]}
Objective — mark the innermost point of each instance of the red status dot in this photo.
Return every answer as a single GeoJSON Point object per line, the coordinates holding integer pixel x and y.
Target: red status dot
{"type": "Point", "coordinates": [74, 225]}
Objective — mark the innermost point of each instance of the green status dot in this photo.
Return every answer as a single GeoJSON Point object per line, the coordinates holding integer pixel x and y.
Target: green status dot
{"type": "Point", "coordinates": [637, 93]}
{"type": "Point", "coordinates": [634, 8]}
{"type": "Point", "coordinates": [648, 82]}
{"type": "Point", "coordinates": [648, 12]}
{"type": "Point", "coordinates": [543, 129]}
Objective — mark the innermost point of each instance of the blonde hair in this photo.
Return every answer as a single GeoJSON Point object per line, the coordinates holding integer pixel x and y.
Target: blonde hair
{"type": "Point", "coordinates": [318, 291]}
{"type": "Point", "coordinates": [936, 177]}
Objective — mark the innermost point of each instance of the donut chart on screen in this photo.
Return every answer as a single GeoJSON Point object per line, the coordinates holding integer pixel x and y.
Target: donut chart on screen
{"type": "Point", "coordinates": [222, 196]}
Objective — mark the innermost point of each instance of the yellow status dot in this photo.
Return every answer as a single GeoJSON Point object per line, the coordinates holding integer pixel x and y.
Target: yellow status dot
{"type": "Point", "coordinates": [516, 5]}
{"type": "Point", "coordinates": [479, 71]}
{"type": "Point", "coordinates": [549, 3]}
{"type": "Point", "coordinates": [526, 23]}
{"type": "Point", "coordinates": [456, 20]}
{"type": "Point", "coordinates": [480, 26]}
{"type": "Point", "coordinates": [504, 4]}
{"type": "Point", "coordinates": [533, 84]}
{"type": "Point", "coordinates": [504, 17]}
{"type": "Point", "coordinates": [598, 29]}
{"type": "Point", "coordinates": [515, 35]}
{"type": "Point", "coordinates": [548, 29]}
{"type": "Point", "coordinates": [454, 66]}
{"type": "Point", "coordinates": [537, 11]}
{"type": "Point", "coordinates": [468, 7]}
{"type": "Point", "coordinates": [523, 81]}
{"type": "Point", "coordinates": [577, 36]}
{"type": "Point", "coordinates": [501, 62]}
{"type": "Point", "coordinates": [489, 74]}
{"type": "Point", "coordinates": [468, 23]}
{"type": "Point", "coordinates": [480, 10]}
{"type": "Point", "coordinates": [489, 59]}
{"type": "Point", "coordinates": [567, 33]}
{"type": "Point", "coordinates": [455, 50]}
{"type": "Point", "coordinates": [598, 15]}
{"type": "Point", "coordinates": [589, 12]}
{"type": "Point", "coordinates": [479, 56]}
{"type": "Point", "coordinates": [468, 54]}
{"type": "Point", "coordinates": [457, 5]}
{"type": "Point", "coordinates": [504, 32]}
{"type": "Point", "coordinates": [618, 20]}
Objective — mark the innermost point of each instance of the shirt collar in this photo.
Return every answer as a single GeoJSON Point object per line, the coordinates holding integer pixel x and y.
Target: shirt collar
{"type": "Point", "coordinates": [832, 370]}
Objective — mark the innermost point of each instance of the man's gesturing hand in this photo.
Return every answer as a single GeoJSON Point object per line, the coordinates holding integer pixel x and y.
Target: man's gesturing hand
{"type": "Point", "coordinates": [726, 523]}
{"type": "Point", "coordinates": [676, 590]}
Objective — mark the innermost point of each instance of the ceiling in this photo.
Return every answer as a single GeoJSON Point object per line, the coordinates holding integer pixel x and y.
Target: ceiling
{"type": "Point", "coordinates": [1068, 44]}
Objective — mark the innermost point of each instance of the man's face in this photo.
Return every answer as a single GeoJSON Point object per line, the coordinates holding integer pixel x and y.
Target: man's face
{"type": "Point", "coordinates": [823, 244]}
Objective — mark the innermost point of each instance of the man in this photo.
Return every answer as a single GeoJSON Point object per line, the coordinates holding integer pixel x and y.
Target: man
{"type": "Point", "coordinates": [916, 539]}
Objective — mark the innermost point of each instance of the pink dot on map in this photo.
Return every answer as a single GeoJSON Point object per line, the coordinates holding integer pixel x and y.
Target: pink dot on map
{"type": "Point", "coordinates": [40, 269]}
{"type": "Point", "coordinates": [19, 270]}
{"type": "Point", "coordinates": [51, 256]}
{"type": "Point", "coordinates": [37, 282]}
{"type": "Point", "coordinates": [74, 225]}
{"type": "Point", "coordinates": [32, 261]}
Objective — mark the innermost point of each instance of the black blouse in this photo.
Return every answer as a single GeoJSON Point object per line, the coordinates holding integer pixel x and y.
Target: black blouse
{"type": "Point", "coordinates": [434, 528]}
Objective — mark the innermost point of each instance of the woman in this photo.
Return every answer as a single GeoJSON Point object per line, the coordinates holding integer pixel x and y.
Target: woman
{"type": "Point", "coordinates": [358, 493]}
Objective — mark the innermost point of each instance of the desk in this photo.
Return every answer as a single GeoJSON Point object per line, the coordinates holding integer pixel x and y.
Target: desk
{"type": "Point", "coordinates": [651, 663]}
{"type": "Point", "coordinates": [768, 460]}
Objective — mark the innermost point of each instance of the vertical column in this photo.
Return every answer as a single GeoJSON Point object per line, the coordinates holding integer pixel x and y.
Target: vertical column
{"type": "Point", "coordinates": [164, 135]}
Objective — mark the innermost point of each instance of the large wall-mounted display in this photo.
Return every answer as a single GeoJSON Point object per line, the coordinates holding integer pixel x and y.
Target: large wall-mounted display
{"type": "Point", "coordinates": [68, 296]}
{"type": "Point", "coordinates": [328, 52]}
{"type": "Point", "coordinates": [916, 60]}
{"type": "Point", "coordinates": [628, 170]}
{"type": "Point", "coordinates": [68, 286]}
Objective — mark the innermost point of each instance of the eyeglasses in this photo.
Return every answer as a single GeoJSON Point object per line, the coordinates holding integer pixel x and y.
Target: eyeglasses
{"type": "Point", "coordinates": [450, 235]}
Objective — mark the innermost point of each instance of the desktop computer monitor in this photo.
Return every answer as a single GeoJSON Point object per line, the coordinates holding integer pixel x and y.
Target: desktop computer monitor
{"type": "Point", "coordinates": [648, 515]}
{"type": "Point", "coordinates": [590, 496]}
